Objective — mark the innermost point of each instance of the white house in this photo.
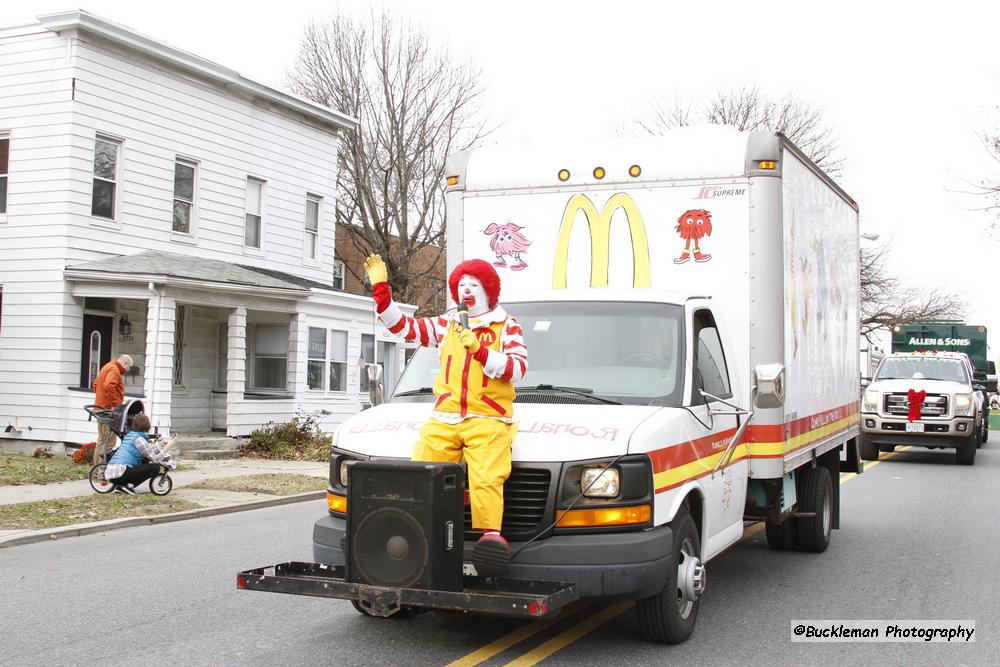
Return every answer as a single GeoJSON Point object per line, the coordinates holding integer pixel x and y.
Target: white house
{"type": "Point", "coordinates": [156, 204]}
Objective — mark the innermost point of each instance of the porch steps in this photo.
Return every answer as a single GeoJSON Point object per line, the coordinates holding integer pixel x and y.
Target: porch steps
{"type": "Point", "coordinates": [204, 446]}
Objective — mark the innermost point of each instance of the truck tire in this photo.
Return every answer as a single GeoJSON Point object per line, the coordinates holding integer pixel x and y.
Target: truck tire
{"type": "Point", "coordinates": [986, 433]}
{"type": "Point", "coordinates": [781, 536]}
{"type": "Point", "coordinates": [887, 448]}
{"type": "Point", "coordinates": [866, 450]}
{"type": "Point", "coordinates": [816, 496]}
{"type": "Point", "coordinates": [669, 616]}
{"type": "Point", "coordinates": [965, 454]}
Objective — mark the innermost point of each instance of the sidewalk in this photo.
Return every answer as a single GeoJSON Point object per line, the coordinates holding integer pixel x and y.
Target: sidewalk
{"type": "Point", "coordinates": [213, 502]}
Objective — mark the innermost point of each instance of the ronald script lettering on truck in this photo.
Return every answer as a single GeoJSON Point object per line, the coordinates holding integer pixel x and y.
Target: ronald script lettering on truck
{"type": "Point", "coordinates": [694, 365]}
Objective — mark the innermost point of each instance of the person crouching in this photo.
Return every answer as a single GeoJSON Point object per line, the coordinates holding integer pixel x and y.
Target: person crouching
{"type": "Point", "coordinates": [128, 467]}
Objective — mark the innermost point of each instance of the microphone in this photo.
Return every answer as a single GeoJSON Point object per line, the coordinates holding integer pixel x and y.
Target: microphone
{"type": "Point", "coordinates": [463, 315]}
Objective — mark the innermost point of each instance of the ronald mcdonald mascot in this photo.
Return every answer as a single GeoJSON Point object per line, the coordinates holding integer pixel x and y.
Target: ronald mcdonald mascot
{"type": "Point", "coordinates": [473, 416]}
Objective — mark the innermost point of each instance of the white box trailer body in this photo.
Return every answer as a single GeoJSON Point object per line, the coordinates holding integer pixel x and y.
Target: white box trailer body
{"type": "Point", "coordinates": [774, 283]}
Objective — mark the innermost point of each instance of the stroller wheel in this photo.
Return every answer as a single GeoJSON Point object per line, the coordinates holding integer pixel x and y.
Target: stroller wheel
{"type": "Point", "coordinates": [97, 481]}
{"type": "Point", "coordinates": [161, 484]}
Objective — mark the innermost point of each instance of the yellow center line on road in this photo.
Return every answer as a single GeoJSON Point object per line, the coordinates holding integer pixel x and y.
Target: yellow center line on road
{"type": "Point", "coordinates": [592, 623]}
{"type": "Point", "coordinates": [500, 645]}
{"type": "Point", "coordinates": [566, 638]}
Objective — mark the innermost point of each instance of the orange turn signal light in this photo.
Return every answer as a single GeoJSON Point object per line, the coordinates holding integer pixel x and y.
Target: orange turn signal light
{"type": "Point", "coordinates": [767, 164]}
{"type": "Point", "coordinates": [604, 516]}
{"type": "Point", "coordinates": [336, 503]}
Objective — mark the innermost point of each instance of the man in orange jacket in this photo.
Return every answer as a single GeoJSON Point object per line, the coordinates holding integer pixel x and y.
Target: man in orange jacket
{"type": "Point", "coordinates": [109, 393]}
{"type": "Point", "coordinates": [473, 417]}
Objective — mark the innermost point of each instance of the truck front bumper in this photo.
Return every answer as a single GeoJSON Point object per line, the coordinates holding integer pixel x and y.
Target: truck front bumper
{"type": "Point", "coordinates": [616, 565]}
{"type": "Point", "coordinates": [954, 432]}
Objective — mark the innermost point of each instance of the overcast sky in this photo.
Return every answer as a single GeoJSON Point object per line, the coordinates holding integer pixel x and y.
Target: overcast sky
{"type": "Point", "coordinates": [908, 88]}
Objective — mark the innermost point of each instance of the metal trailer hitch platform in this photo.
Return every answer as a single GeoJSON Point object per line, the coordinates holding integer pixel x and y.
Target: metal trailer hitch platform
{"type": "Point", "coordinates": [516, 598]}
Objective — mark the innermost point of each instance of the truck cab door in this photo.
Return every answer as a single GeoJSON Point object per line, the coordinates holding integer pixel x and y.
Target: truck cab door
{"type": "Point", "coordinates": [724, 485]}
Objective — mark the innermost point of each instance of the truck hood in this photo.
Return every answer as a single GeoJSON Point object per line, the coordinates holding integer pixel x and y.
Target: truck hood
{"type": "Point", "coordinates": [930, 386]}
{"type": "Point", "coordinates": [546, 432]}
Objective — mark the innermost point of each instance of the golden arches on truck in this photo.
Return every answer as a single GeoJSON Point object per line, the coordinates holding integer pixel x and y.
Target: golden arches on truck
{"type": "Point", "coordinates": [599, 224]}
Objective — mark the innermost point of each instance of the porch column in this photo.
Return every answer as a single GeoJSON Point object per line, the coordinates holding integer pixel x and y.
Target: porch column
{"type": "Point", "coordinates": [236, 366]}
{"type": "Point", "coordinates": [298, 347]}
{"type": "Point", "coordinates": [158, 374]}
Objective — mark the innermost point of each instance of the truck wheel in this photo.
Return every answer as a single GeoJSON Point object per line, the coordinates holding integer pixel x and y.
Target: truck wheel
{"type": "Point", "coordinates": [986, 433]}
{"type": "Point", "coordinates": [866, 450]}
{"type": "Point", "coordinates": [965, 455]}
{"type": "Point", "coordinates": [817, 496]}
{"type": "Point", "coordinates": [669, 616]}
{"type": "Point", "coordinates": [781, 536]}
{"type": "Point", "coordinates": [887, 448]}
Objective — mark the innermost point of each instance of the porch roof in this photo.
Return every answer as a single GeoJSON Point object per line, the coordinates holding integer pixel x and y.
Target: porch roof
{"type": "Point", "coordinates": [171, 268]}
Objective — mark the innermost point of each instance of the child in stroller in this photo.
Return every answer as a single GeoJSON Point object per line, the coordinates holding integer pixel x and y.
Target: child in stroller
{"type": "Point", "coordinates": [139, 457]}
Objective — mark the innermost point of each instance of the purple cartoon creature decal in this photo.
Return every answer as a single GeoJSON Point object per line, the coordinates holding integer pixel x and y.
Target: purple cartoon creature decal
{"type": "Point", "coordinates": [507, 240]}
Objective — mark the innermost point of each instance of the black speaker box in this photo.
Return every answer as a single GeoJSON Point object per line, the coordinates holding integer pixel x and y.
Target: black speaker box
{"type": "Point", "coordinates": [404, 524]}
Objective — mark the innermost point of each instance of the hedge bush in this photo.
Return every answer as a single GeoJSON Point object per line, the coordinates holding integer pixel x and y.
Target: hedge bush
{"type": "Point", "coordinates": [298, 439]}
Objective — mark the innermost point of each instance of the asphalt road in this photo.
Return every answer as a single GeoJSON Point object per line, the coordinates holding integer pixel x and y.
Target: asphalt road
{"type": "Point", "coordinates": [919, 540]}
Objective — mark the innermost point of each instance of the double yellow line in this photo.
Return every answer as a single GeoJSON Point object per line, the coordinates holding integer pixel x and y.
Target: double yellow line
{"type": "Point", "coordinates": [589, 624]}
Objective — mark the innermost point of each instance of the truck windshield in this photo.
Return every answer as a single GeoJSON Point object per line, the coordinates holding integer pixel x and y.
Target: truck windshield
{"type": "Point", "coordinates": [927, 368]}
{"type": "Point", "coordinates": [627, 352]}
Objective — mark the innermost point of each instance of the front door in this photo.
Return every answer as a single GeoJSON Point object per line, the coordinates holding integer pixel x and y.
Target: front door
{"type": "Point", "coordinates": [97, 332]}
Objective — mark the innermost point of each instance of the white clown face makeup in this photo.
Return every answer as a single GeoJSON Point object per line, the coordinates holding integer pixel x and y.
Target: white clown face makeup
{"type": "Point", "coordinates": [472, 294]}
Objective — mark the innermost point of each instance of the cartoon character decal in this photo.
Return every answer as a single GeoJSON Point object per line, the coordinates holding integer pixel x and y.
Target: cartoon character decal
{"type": "Point", "coordinates": [507, 240]}
{"type": "Point", "coordinates": [693, 225]}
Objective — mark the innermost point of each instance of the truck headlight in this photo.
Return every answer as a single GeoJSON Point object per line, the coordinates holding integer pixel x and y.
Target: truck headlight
{"type": "Point", "coordinates": [964, 405]}
{"type": "Point", "coordinates": [600, 482]}
{"type": "Point", "coordinates": [870, 402]}
{"type": "Point", "coordinates": [345, 471]}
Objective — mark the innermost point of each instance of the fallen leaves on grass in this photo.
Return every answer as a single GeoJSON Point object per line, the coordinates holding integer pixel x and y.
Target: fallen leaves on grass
{"type": "Point", "coordinates": [85, 509]}
{"type": "Point", "coordinates": [275, 484]}
{"type": "Point", "coordinates": [17, 469]}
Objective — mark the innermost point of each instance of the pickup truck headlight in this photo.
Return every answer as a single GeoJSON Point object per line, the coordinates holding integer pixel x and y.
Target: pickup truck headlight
{"type": "Point", "coordinates": [870, 401]}
{"type": "Point", "coordinates": [964, 405]}
{"type": "Point", "coordinates": [600, 482]}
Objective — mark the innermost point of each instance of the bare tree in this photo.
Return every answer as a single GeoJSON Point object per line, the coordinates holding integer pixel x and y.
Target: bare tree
{"type": "Point", "coordinates": [748, 110]}
{"type": "Point", "coordinates": [415, 105]}
{"type": "Point", "coordinates": [886, 301]}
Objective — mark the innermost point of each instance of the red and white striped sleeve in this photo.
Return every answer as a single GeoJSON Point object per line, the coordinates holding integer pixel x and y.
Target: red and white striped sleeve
{"type": "Point", "coordinates": [511, 362]}
{"type": "Point", "coordinates": [427, 331]}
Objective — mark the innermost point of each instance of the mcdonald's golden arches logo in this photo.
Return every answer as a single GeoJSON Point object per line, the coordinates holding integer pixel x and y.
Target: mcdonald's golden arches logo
{"type": "Point", "coordinates": [599, 224]}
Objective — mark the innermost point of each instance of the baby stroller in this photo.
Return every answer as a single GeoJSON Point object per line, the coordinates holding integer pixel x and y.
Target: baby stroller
{"type": "Point", "coordinates": [119, 420]}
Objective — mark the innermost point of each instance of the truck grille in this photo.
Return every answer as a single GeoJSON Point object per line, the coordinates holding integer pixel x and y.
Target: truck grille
{"type": "Point", "coordinates": [525, 500]}
{"type": "Point", "coordinates": [935, 405]}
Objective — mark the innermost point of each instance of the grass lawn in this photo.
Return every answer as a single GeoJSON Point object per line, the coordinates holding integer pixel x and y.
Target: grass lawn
{"type": "Point", "coordinates": [17, 469]}
{"type": "Point", "coordinates": [85, 509]}
{"type": "Point", "coordinates": [278, 484]}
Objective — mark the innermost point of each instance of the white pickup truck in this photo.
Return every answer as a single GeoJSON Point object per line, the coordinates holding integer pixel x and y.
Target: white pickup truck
{"type": "Point", "coordinates": [924, 399]}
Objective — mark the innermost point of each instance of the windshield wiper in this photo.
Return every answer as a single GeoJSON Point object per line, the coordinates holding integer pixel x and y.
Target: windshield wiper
{"type": "Point", "coordinates": [585, 392]}
{"type": "Point", "coordinates": [416, 392]}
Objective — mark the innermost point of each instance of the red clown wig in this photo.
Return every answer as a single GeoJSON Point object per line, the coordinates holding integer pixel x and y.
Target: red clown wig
{"type": "Point", "coordinates": [481, 271]}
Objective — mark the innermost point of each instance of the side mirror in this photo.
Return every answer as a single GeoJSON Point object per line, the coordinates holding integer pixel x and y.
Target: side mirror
{"type": "Point", "coordinates": [979, 387]}
{"type": "Point", "coordinates": [769, 385]}
{"type": "Point", "coordinates": [374, 384]}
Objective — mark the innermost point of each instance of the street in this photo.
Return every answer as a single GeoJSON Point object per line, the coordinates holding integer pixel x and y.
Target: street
{"type": "Point", "coordinates": [918, 540]}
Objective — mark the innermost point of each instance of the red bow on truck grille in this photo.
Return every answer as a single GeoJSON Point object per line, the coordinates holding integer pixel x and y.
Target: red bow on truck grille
{"type": "Point", "coordinates": [916, 403]}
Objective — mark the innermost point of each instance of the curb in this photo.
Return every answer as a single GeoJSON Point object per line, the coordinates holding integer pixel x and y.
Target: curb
{"type": "Point", "coordinates": [75, 530]}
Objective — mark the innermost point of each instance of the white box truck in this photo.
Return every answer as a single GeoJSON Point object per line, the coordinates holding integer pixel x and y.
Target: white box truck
{"type": "Point", "coordinates": [690, 307]}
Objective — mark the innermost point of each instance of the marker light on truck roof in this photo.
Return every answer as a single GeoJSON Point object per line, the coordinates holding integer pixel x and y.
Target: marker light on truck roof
{"type": "Point", "coordinates": [634, 171]}
{"type": "Point", "coordinates": [767, 164]}
{"type": "Point", "coordinates": [453, 180]}
{"type": "Point", "coordinates": [598, 173]}
{"type": "Point", "coordinates": [564, 174]}
{"type": "Point", "coordinates": [605, 516]}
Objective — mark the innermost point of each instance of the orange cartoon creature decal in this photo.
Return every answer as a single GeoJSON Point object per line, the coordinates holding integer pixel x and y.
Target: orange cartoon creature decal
{"type": "Point", "coordinates": [693, 225]}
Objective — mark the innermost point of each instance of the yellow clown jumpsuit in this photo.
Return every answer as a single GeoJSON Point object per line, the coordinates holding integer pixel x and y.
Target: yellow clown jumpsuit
{"type": "Point", "coordinates": [482, 438]}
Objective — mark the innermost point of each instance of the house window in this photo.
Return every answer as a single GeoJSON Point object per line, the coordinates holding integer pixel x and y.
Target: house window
{"type": "Point", "coordinates": [338, 361]}
{"type": "Point", "coordinates": [106, 158]}
{"type": "Point", "coordinates": [4, 164]}
{"type": "Point", "coordinates": [317, 358]}
{"type": "Point", "coordinates": [180, 315]}
{"type": "Point", "coordinates": [184, 176]}
{"type": "Point", "coordinates": [338, 274]}
{"type": "Point", "coordinates": [222, 358]}
{"type": "Point", "coordinates": [270, 357]}
{"type": "Point", "coordinates": [311, 248]}
{"type": "Point", "coordinates": [255, 195]}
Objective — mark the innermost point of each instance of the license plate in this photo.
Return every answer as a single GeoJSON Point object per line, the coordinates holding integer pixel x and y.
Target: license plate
{"type": "Point", "coordinates": [469, 569]}
{"type": "Point", "coordinates": [914, 427]}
